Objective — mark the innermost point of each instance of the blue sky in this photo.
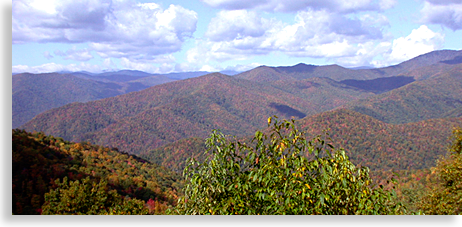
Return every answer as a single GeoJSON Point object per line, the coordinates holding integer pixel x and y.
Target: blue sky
{"type": "Point", "coordinates": [212, 35]}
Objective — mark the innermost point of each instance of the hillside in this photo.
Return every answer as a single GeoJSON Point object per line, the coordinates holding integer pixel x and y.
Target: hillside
{"type": "Point", "coordinates": [35, 93]}
{"type": "Point", "coordinates": [166, 113]}
{"type": "Point", "coordinates": [162, 114]}
{"type": "Point", "coordinates": [435, 97]}
{"type": "Point", "coordinates": [379, 85]}
{"type": "Point", "coordinates": [441, 58]}
{"type": "Point", "coordinates": [45, 91]}
{"type": "Point", "coordinates": [300, 72]}
{"type": "Point", "coordinates": [382, 146]}
{"type": "Point", "coordinates": [434, 59]}
{"type": "Point", "coordinates": [367, 141]}
{"type": "Point", "coordinates": [39, 160]}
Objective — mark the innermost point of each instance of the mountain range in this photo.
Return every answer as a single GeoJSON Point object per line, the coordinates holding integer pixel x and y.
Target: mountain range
{"type": "Point", "coordinates": [36, 93]}
{"type": "Point", "coordinates": [391, 117]}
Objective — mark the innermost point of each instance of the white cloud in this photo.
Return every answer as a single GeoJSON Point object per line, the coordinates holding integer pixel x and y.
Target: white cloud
{"type": "Point", "coordinates": [208, 68]}
{"type": "Point", "coordinates": [74, 54]}
{"type": "Point", "coordinates": [53, 67]}
{"type": "Point", "coordinates": [447, 13]}
{"type": "Point", "coordinates": [235, 4]}
{"type": "Point", "coordinates": [313, 34]}
{"type": "Point", "coordinates": [236, 24]}
{"type": "Point", "coordinates": [340, 6]}
{"type": "Point", "coordinates": [113, 28]}
{"type": "Point", "coordinates": [349, 40]}
{"type": "Point", "coordinates": [242, 68]}
{"type": "Point", "coordinates": [387, 4]}
{"type": "Point", "coordinates": [365, 54]}
{"type": "Point", "coordinates": [58, 21]}
{"type": "Point", "coordinates": [421, 40]}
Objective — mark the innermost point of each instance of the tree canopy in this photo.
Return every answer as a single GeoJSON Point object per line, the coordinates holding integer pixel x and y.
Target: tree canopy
{"type": "Point", "coordinates": [280, 172]}
{"type": "Point", "coordinates": [445, 195]}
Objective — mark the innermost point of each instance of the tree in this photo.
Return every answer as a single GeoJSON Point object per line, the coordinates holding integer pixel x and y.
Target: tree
{"type": "Point", "coordinates": [280, 173]}
{"type": "Point", "coordinates": [445, 195]}
{"type": "Point", "coordinates": [89, 198]}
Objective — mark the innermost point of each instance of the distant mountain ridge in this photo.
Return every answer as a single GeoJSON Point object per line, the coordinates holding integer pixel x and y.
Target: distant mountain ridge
{"type": "Point", "coordinates": [303, 71]}
{"type": "Point", "coordinates": [435, 97]}
{"type": "Point", "coordinates": [188, 108]}
{"type": "Point", "coordinates": [240, 104]}
{"type": "Point", "coordinates": [367, 141]}
{"type": "Point", "coordinates": [35, 93]}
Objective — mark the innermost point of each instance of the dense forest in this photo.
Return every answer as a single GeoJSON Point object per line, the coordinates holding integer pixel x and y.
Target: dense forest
{"type": "Point", "coordinates": [368, 142]}
{"type": "Point", "coordinates": [279, 171]}
{"type": "Point", "coordinates": [431, 98]}
{"type": "Point", "coordinates": [43, 165]}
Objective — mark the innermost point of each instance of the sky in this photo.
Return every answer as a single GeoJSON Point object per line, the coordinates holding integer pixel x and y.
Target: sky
{"type": "Point", "coordinates": [164, 36]}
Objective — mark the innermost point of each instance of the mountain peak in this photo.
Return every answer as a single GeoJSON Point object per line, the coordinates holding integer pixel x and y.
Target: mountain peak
{"type": "Point", "coordinates": [300, 67]}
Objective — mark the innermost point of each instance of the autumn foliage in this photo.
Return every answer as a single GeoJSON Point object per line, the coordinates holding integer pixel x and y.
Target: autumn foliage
{"type": "Point", "coordinates": [49, 172]}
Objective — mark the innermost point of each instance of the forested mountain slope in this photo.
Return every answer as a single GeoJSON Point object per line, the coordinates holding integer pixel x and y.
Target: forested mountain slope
{"type": "Point", "coordinates": [435, 59]}
{"type": "Point", "coordinates": [39, 160]}
{"type": "Point", "coordinates": [35, 93]}
{"type": "Point", "coordinates": [367, 141]}
{"type": "Point", "coordinates": [435, 97]}
{"type": "Point", "coordinates": [382, 146]}
{"type": "Point", "coordinates": [190, 108]}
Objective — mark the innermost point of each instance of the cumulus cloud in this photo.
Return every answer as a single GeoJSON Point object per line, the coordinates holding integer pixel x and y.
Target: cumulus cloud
{"type": "Point", "coordinates": [53, 67]}
{"type": "Point", "coordinates": [107, 65]}
{"type": "Point", "coordinates": [146, 67]}
{"type": "Point", "coordinates": [447, 13]}
{"type": "Point", "coordinates": [421, 40]}
{"type": "Point", "coordinates": [315, 33]}
{"type": "Point", "coordinates": [74, 54]}
{"type": "Point", "coordinates": [236, 24]}
{"type": "Point", "coordinates": [340, 6]}
{"type": "Point", "coordinates": [113, 28]}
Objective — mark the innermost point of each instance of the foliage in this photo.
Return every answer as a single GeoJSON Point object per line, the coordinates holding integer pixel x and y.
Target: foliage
{"type": "Point", "coordinates": [40, 160]}
{"type": "Point", "coordinates": [426, 99]}
{"type": "Point", "coordinates": [36, 93]}
{"type": "Point", "coordinates": [146, 120]}
{"type": "Point", "coordinates": [89, 198]}
{"type": "Point", "coordinates": [381, 146]}
{"type": "Point", "coordinates": [273, 176]}
{"type": "Point", "coordinates": [174, 155]}
{"type": "Point", "coordinates": [445, 194]}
